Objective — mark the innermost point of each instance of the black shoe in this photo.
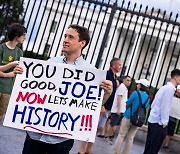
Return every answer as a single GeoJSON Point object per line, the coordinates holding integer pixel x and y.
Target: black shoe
{"type": "Point", "coordinates": [101, 136]}
{"type": "Point", "coordinates": [165, 147]}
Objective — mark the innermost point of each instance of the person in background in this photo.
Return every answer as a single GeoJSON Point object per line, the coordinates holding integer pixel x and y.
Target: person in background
{"type": "Point", "coordinates": [115, 67]}
{"type": "Point", "coordinates": [159, 114]}
{"type": "Point", "coordinates": [75, 40]}
{"type": "Point", "coordinates": [10, 53]}
{"type": "Point", "coordinates": [172, 121]}
{"type": "Point", "coordinates": [118, 107]}
{"type": "Point", "coordinates": [127, 129]}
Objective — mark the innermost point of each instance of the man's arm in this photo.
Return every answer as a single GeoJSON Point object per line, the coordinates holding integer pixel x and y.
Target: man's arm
{"type": "Point", "coordinates": [166, 101]}
{"type": "Point", "coordinates": [106, 85]}
{"type": "Point", "coordinates": [119, 98]}
{"type": "Point", "coordinates": [8, 66]}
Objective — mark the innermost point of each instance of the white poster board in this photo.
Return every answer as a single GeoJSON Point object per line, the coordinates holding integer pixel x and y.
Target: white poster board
{"type": "Point", "coordinates": [175, 108]}
{"type": "Point", "coordinates": [56, 99]}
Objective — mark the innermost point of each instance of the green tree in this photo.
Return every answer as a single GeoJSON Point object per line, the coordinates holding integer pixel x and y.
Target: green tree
{"type": "Point", "coordinates": [10, 11]}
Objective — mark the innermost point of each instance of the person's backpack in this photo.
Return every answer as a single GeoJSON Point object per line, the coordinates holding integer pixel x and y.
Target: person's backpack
{"type": "Point", "coordinates": [139, 116]}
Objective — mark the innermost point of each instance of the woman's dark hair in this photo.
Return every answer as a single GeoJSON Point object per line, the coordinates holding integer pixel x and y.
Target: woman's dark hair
{"type": "Point", "coordinates": [175, 72]}
{"type": "Point", "coordinates": [15, 30]}
{"type": "Point", "coordinates": [143, 88]}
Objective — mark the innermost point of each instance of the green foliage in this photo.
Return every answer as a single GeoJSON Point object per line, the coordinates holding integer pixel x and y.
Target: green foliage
{"type": "Point", "coordinates": [11, 11]}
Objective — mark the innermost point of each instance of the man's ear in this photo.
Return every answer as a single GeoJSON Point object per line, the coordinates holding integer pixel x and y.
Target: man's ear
{"type": "Point", "coordinates": [83, 43]}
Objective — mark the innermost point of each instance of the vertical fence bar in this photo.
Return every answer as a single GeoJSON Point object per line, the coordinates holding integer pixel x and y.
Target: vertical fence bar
{"type": "Point", "coordinates": [173, 48]}
{"type": "Point", "coordinates": [152, 34]}
{"type": "Point", "coordinates": [155, 48]}
{"type": "Point", "coordinates": [94, 27]}
{"type": "Point", "coordinates": [64, 26]}
{"type": "Point", "coordinates": [81, 12]}
{"type": "Point", "coordinates": [89, 4]}
{"type": "Point", "coordinates": [119, 15]}
{"type": "Point", "coordinates": [31, 12]}
{"type": "Point", "coordinates": [39, 27]}
{"type": "Point", "coordinates": [106, 34]}
{"type": "Point", "coordinates": [48, 38]}
{"type": "Point", "coordinates": [127, 30]}
{"type": "Point", "coordinates": [46, 24]}
{"type": "Point", "coordinates": [121, 30]}
{"type": "Point", "coordinates": [166, 50]}
{"type": "Point", "coordinates": [33, 25]}
{"type": "Point", "coordinates": [113, 35]}
{"type": "Point", "coordinates": [59, 21]}
{"type": "Point", "coordinates": [134, 30]}
{"type": "Point", "coordinates": [140, 51]}
{"type": "Point", "coordinates": [99, 34]}
{"type": "Point", "coordinates": [149, 21]}
{"type": "Point", "coordinates": [126, 34]}
{"type": "Point", "coordinates": [177, 59]}
{"type": "Point", "coordinates": [22, 3]}
{"type": "Point", "coordinates": [23, 19]}
{"type": "Point", "coordinates": [75, 11]}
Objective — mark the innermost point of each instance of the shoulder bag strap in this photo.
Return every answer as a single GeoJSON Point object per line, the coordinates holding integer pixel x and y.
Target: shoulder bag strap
{"type": "Point", "coordinates": [140, 100]}
{"type": "Point", "coordinates": [131, 103]}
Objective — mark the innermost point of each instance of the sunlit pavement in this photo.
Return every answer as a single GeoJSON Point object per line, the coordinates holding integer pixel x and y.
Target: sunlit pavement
{"type": "Point", "coordinates": [11, 141]}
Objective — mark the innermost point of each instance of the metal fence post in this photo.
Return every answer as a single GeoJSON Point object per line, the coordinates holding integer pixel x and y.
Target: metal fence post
{"type": "Point", "coordinates": [114, 7]}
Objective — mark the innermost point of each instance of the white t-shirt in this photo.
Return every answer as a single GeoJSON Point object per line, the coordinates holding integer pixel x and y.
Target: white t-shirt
{"type": "Point", "coordinates": [121, 91]}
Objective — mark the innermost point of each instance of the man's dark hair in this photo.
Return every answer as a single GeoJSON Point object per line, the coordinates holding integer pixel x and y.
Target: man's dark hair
{"type": "Point", "coordinates": [83, 33]}
{"type": "Point", "coordinates": [113, 61]}
{"type": "Point", "coordinates": [175, 72]}
{"type": "Point", "coordinates": [126, 76]}
{"type": "Point", "coordinates": [15, 30]}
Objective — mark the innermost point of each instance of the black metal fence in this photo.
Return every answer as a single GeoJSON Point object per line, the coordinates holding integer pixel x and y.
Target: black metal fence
{"type": "Point", "coordinates": [146, 39]}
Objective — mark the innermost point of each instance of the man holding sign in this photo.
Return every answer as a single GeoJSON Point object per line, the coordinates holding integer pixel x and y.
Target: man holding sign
{"type": "Point", "coordinates": [76, 39]}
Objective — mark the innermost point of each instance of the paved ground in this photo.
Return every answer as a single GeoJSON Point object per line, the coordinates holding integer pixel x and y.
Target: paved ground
{"type": "Point", "coordinates": [11, 141]}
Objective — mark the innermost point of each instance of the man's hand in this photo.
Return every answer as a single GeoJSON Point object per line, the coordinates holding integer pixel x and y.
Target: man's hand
{"type": "Point", "coordinates": [18, 70]}
{"type": "Point", "coordinates": [106, 85]}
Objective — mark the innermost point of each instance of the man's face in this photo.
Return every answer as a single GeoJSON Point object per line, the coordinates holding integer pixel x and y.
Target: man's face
{"type": "Point", "coordinates": [71, 43]}
{"type": "Point", "coordinates": [117, 66]}
{"type": "Point", "coordinates": [177, 78]}
{"type": "Point", "coordinates": [127, 81]}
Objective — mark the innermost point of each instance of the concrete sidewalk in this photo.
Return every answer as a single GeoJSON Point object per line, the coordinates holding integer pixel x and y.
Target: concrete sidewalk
{"type": "Point", "coordinates": [11, 141]}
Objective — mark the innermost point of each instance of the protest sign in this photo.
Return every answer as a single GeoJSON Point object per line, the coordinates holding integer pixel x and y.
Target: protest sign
{"type": "Point", "coordinates": [175, 108]}
{"type": "Point", "coordinates": [56, 99]}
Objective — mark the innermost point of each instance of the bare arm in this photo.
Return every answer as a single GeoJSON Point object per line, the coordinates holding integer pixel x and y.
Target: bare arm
{"type": "Point", "coordinates": [118, 104]}
{"type": "Point", "coordinates": [7, 75]}
{"type": "Point", "coordinates": [8, 66]}
{"type": "Point", "coordinates": [106, 85]}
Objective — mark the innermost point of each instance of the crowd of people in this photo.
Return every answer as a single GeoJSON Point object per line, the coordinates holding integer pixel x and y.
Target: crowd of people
{"type": "Point", "coordinates": [117, 107]}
